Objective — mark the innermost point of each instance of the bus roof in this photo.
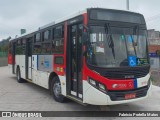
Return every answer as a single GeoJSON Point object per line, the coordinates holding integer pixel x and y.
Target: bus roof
{"type": "Point", "coordinates": [66, 18]}
{"type": "Point", "coordinates": [55, 22]}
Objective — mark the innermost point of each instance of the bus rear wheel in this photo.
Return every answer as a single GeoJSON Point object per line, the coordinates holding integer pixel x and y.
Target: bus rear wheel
{"type": "Point", "coordinates": [56, 90]}
{"type": "Point", "coordinates": [18, 73]}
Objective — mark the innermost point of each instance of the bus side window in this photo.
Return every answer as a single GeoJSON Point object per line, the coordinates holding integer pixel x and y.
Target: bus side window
{"type": "Point", "coordinates": [53, 45]}
{"type": "Point", "coordinates": [46, 35]}
{"type": "Point", "coordinates": [20, 49]}
{"type": "Point", "coordinates": [58, 41]}
{"type": "Point", "coordinates": [37, 44]}
{"type": "Point", "coordinates": [37, 37]}
{"type": "Point", "coordinates": [24, 45]}
{"type": "Point", "coordinates": [46, 42]}
{"type": "Point", "coordinates": [46, 48]}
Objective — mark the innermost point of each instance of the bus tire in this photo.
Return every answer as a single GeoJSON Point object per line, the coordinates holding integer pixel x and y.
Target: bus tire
{"type": "Point", "coordinates": [18, 73]}
{"type": "Point", "coordinates": [56, 90]}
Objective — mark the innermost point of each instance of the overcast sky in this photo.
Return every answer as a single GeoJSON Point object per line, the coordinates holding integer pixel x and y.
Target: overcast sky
{"type": "Point", "coordinates": [31, 14]}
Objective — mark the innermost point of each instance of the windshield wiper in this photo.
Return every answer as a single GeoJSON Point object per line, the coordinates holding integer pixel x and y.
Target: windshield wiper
{"type": "Point", "coordinates": [135, 32]}
{"type": "Point", "coordinates": [133, 44]}
{"type": "Point", "coordinates": [109, 38]}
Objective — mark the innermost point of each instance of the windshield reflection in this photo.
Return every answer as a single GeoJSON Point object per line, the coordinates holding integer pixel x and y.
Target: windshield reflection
{"type": "Point", "coordinates": [119, 47]}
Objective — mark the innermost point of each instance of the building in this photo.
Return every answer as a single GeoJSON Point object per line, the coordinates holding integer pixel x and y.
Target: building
{"type": "Point", "coordinates": [153, 37]}
{"type": "Point", "coordinates": [154, 57]}
{"type": "Point", "coordinates": [154, 46]}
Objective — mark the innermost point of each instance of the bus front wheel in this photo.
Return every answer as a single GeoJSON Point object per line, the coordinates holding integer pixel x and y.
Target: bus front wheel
{"type": "Point", "coordinates": [56, 90]}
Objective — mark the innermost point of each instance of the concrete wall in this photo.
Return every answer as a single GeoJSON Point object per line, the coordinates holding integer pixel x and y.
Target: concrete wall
{"type": "Point", "coordinates": [3, 61]}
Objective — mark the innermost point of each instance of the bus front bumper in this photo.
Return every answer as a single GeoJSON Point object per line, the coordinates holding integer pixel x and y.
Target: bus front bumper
{"type": "Point", "coordinates": [93, 96]}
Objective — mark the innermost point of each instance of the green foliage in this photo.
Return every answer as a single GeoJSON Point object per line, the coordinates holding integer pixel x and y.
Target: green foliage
{"type": "Point", "coordinates": [20, 50]}
{"type": "Point", "coordinates": [3, 54]}
{"type": "Point", "coordinates": [4, 46]}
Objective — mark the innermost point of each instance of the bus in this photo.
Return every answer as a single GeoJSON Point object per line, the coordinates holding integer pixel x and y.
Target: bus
{"type": "Point", "coordinates": [96, 56]}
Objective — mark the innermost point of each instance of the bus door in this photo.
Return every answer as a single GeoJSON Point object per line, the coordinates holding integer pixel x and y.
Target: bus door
{"type": "Point", "coordinates": [13, 57]}
{"type": "Point", "coordinates": [29, 59]}
{"type": "Point", "coordinates": [74, 60]}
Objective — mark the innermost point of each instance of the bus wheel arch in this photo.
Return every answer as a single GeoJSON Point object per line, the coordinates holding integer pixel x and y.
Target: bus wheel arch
{"type": "Point", "coordinates": [51, 76]}
{"type": "Point", "coordinates": [55, 81]}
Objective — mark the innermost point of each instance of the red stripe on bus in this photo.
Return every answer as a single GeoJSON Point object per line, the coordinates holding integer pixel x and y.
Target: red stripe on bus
{"type": "Point", "coordinates": [121, 84]}
{"type": "Point", "coordinates": [111, 84]}
{"type": "Point", "coordinates": [9, 58]}
{"type": "Point", "coordinates": [61, 69]}
{"type": "Point", "coordinates": [84, 76]}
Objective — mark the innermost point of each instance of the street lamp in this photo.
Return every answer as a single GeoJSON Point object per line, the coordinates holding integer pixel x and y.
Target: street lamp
{"type": "Point", "coordinates": [127, 4]}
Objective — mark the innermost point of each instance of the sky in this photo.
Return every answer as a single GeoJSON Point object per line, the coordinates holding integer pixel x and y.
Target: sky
{"type": "Point", "coordinates": [32, 14]}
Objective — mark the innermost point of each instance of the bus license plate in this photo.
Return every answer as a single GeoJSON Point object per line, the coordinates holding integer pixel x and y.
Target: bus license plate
{"type": "Point", "coordinates": [130, 96]}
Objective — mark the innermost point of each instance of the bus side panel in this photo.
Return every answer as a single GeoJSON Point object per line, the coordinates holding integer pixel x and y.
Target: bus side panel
{"type": "Point", "coordinates": [20, 61]}
{"type": "Point", "coordinates": [42, 67]}
{"type": "Point", "coordinates": [40, 78]}
{"type": "Point", "coordinates": [34, 62]}
{"type": "Point", "coordinates": [43, 79]}
{"type": "Point", "coordinates": [34, 69]}
{"type": "Point", "coordinates": [29, 68]}
{"type": "Point", "coordinates": [35, 76]}
{"type": "Point", "coordinates": [63, 84]}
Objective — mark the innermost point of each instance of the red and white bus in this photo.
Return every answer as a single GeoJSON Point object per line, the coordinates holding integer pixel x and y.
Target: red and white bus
{"type": "Point", "coordinates": [96, 56]}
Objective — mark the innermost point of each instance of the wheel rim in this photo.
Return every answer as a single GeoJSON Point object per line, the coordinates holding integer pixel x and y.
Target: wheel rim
{"type": "Point", "coordinates": [57, 89]}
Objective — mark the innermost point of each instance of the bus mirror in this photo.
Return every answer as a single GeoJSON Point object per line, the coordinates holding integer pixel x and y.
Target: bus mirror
{"type": "Point", "coordinates": [84, 37]}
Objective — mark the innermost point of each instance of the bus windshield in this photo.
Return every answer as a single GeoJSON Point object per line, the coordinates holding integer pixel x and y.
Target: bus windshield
{"type": "Point", "coordinates": [117, 48]}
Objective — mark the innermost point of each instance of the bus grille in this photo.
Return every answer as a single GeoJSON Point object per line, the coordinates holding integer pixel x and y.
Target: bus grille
{"type": "Point", "coordinates": [127, 73]}
{"type": "Point", "coordinates": [120, 95]}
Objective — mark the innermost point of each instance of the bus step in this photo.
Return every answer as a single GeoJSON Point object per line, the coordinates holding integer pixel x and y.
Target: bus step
{"type": "Point", "coordinates": [76, 100]}
{"type": "Point", "coordinates": [28, 80]}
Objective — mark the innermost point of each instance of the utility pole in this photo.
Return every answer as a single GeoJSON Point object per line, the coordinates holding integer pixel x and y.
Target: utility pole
{"type": "Point", "coordinates": [127, 4]}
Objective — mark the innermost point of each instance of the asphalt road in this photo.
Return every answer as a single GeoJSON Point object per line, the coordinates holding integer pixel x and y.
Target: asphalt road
{"type": "Point", "coordinates": [29, 97]}
{"type": "Point", "coordinates": [3, 61]}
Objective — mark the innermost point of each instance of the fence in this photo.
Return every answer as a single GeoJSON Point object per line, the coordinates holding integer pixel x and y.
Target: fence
{"type": "Point", "coordinates": [3, 54]}
{"type": "Point", "coordinates": [3, 59]}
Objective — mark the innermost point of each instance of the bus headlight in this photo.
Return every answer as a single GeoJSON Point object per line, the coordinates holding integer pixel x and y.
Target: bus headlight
{"type": "Point", "coordinates": [102, 87]}
{"type": "Point", "coordinates": [97, 85]}
{"type": "Point", "coordinates": [92, 82]}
